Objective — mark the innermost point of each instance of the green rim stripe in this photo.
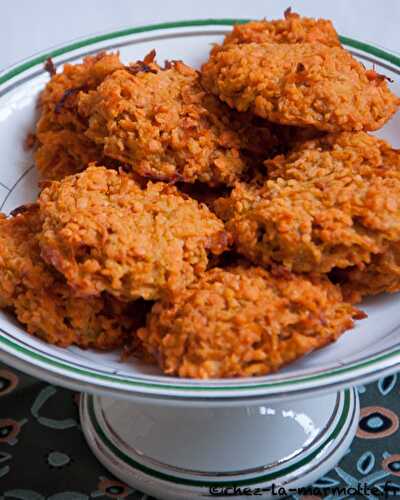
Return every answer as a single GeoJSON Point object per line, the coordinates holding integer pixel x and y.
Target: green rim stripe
{"type": "Point", "coordinates": [115, 34]}
{"type": "Point", "coordinates": [206, 484]}
{"type": "Point", "coordinates": [132, 382]}
{"type": "Point", "coordinates": [115, 378]}
{"type": "Point", "coordinates": [375, 51]}
{"type": "Point", "coordinates": [161, 26]}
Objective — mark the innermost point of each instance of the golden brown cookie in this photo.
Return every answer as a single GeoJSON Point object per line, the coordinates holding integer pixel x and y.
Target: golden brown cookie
{"type": "Point", "coordinates": [292, 29]}
{"type": "Point", "coordinates": [331, 202]}
{"type": "Point", "coordinates": [62, 147]}
{"type": "Point", "coordinates": [244, 321]}
{"type": "Point", "coordinates": [43, 302]}
{"type": "Point", "coordinates": [104, 232]}
{"type": "Point", "coordinates": [163, 125]}
{"type": "Point", "coordinates": [304, 84]}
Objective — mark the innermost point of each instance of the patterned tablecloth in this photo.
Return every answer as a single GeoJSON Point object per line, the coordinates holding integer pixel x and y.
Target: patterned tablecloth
{"type": "Point", "coordinates": [43, 454]}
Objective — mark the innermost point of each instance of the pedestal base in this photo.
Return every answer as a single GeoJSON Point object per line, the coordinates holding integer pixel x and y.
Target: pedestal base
{"type": "Point", "coordinates": [187, 453]}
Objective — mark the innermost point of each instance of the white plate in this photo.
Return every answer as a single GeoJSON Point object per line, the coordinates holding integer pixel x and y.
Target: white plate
{"type": "Point", "coordinates": [368, 351]}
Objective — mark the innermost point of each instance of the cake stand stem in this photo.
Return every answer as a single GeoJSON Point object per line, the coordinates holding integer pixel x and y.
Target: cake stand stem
{"type": "Point", "coordinates": [178, 451]}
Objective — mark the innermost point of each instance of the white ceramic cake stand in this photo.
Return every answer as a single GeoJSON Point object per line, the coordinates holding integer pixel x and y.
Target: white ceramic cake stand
{"type": "Point", "coordinates": [175, 438]}
{"type": "Point", "coordinates": [183, 450]}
